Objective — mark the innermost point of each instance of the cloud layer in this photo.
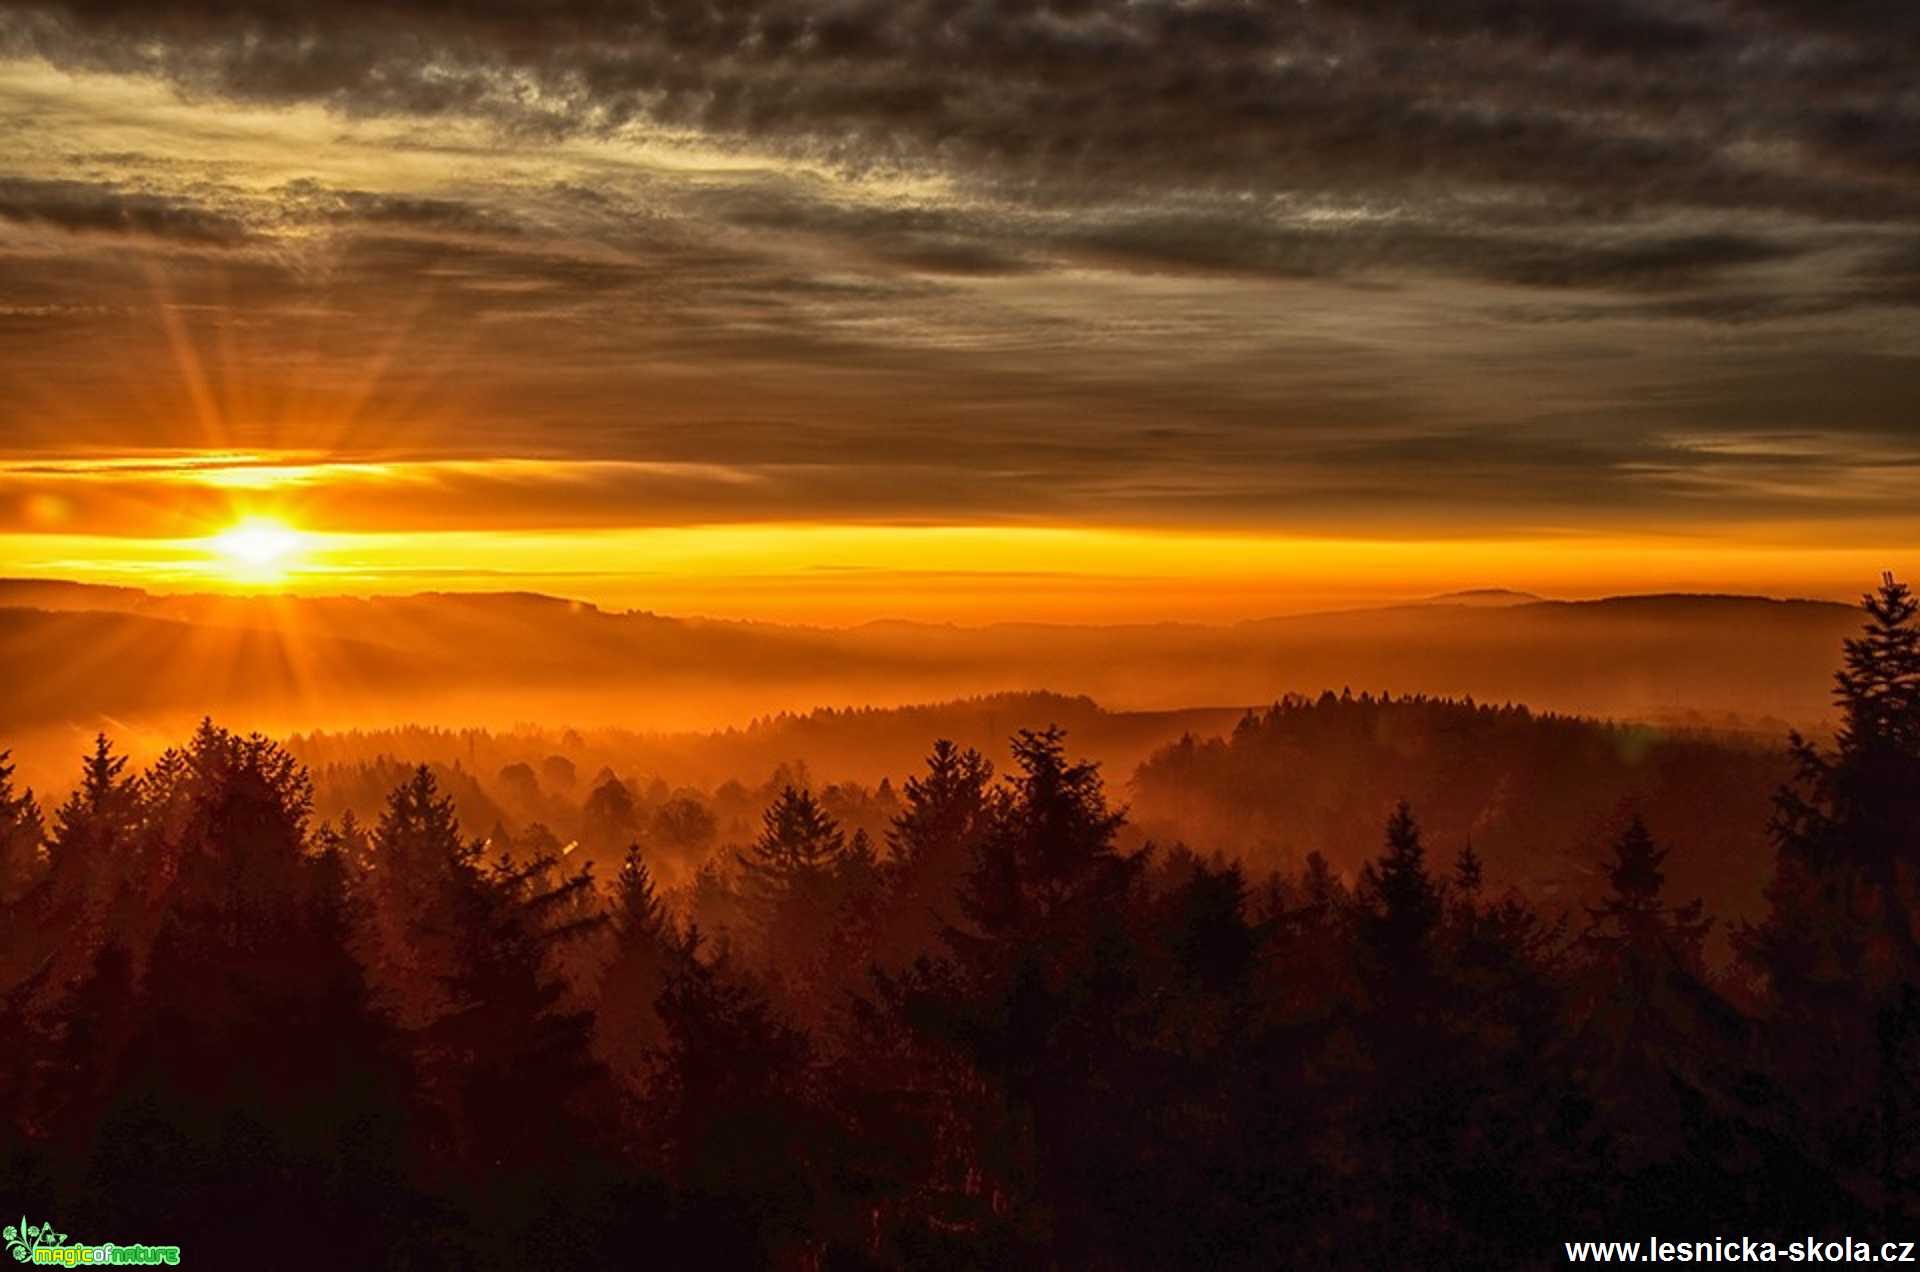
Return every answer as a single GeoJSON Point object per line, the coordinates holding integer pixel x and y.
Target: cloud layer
{"type": "Point", "coordinates": [1341, 265]}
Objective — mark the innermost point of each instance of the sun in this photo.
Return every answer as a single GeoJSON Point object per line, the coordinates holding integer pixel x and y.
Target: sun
{"type": "Point", "coordinates": [258, 549]}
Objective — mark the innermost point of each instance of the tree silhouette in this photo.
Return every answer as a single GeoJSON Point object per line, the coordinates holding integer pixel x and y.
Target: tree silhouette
{"type": "Point", "coordinates": [21, 830]}
{"type": "Point", "coordinates": [509, 1025]}
{"type": "Point", "coordinates": [683, 825]}
{"type": "Point", "coordinates": [417, 853]}
{"type": "Point", "coordinates": [1857, 805]}
{"type": "Point", "coordinates": [1634, 917]}
{"type": "Point", "coordinates": [943, 809]}
{"type": "Point", "coordinates": [930, 847]}
{"type": "Point", "coordinates": [23, 943]}
{"type": "Point", "coordinates": [645, 947]}
{"type": "Point", "coordinates": [790, 887]}
{"type": "Point", "coordinates": [1837, 946]}
{"type": "Point", "coordinates": [798, 844]}
{"type": "Point", "coordinates": [1050, 852]}
{"type": "Point", "coordinates": [1400, 905]}
{"type": "Point", "coordinates": [97, 876]}
{"type": "Point", "coordinates": [253, 1036]}
{"type": "Point", "coordinates": [610, 818]}
{"type": "Point", "coordinates": [1040, 972]}
{"type": "Point", "coordinates": [732, 1109]}
{"type": "Point", "coordinates": [1468, 874]}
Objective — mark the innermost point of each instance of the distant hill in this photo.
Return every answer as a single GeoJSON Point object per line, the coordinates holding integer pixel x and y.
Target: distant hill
{"type": "Point", "coordinates": [1487, 596]}
{"type": "Point", "coordinates": [833, 744]}
{"type": "Point", "coordinates": [78, 656]}
{"type": "Point", "coordinates": [1539, 797]}
{"type": "Point", "coordinates": [59, 594]}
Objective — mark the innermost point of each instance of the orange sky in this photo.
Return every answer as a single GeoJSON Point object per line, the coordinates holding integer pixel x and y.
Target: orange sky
{"type": "Point", "coordinates": [255, 537]}
{"type": "Point", "coordinates": [513, 326]}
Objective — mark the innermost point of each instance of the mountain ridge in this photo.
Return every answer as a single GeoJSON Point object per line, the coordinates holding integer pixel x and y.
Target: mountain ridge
{"type": "Point", "coordinates": [21, 593]}
{"type": "Point", "coordinates": [499, 658]}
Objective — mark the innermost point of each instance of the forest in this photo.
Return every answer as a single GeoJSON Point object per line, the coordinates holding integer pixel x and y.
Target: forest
{"type": "Point", "coordinates": [1365, 982]}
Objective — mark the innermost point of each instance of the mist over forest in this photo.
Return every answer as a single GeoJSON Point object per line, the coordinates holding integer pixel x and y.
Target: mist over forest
{"type": "Point", "coordinates": [1553, 721]}
{"type": "Point", "coordinates": [1011, 979]}
{"type": "Point", "coordinates": [153, 665]}
{"type": "Point", "coordinates": [1533, 751]}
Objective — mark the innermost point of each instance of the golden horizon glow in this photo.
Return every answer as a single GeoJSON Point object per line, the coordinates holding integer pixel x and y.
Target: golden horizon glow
{"type": "Point", "coordinates": [846, 574]}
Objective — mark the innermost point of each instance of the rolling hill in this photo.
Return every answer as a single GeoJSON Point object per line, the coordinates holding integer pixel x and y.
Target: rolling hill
{"type": "Point", "coordinates": [79, 656]}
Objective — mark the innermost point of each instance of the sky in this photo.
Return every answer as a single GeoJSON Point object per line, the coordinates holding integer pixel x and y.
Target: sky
{"type": "Point", "coordinates": [825, 311]}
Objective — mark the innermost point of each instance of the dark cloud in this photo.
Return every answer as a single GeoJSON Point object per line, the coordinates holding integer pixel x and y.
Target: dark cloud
{"type": "Point", "coordinates": [85, 208]}
{"type": "Point", "coordinates": [1601, 27]}
{"type": "Point", "coordinates": [1268, 96]}
{"type": "Point", "coordinates": [370, 208]}
{"type": "Point", "coordinates": [1646, 261]}
{"type": "Point", "coordinates": [1857, 26]}
{"type": "Point", "coordinates": [1144, 260]}
{"type": "Point", "coordinates": [1882, 143]}
{"type": "Point", "coordinates": [1891, 275]}
{"type": "Point", "coordinates": [1628, 260]}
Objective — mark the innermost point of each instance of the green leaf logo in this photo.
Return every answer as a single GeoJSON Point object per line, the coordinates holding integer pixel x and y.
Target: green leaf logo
{"type": "Point", "coordinates": [22, 1240]}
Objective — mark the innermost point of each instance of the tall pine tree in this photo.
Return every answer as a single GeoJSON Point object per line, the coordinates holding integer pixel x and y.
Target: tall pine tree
{"type": "Point", "coordinates": [256, 1053]}
{"type": "Point", "coordinates": [21, 830]}
{"type": "Point", "coordinates": [644, 944]}
{"type": "Point", "coordinates": [1400, 907]}
{"type": "Point", "coordinates": [1837, 947]}
{"type": "Point", "coordinates": [791, 885]}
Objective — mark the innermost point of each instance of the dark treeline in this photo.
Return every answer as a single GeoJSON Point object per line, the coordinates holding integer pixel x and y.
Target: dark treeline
{"type": "Point", "coordinates": [851, 758]}
{"type": "Point", "coordinates": [991, 1035]}
{"type": "Point", "coordinates": [1540, 797]}
{"type": "Point", "coordinates": [839, 743]}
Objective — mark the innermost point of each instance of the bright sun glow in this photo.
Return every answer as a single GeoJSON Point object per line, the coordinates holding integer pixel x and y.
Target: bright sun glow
{"type": "Point", "coordinates": [258, 549]}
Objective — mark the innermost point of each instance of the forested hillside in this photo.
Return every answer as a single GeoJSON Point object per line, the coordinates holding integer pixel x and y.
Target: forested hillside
{"type": "Point", "coordinates": [85, 658]}
{"type": "Point", "coordinates": [1537, 796]}
{"type": "Point", "coordinates": [996, 1033]}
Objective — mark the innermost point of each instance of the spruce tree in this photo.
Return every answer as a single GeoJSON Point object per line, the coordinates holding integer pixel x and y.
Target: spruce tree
{"type": "Point", "coordinates": [1634, 917]}
{"type": "Point", "coordinates": [1856, 806]}
{"type": "Point", "coordinates": [731, 1111]}
{"type": "Point", "coordinates": [22, 941]}
{"type": "Point", "coordinates": [416, 853]}
{"type": "Point", "coordinates": [1838, 947]}
{"type": "Point", "coordinates": [1042, 974]}
{"type": "Point", "coordinates": [257, 1049]}
{"type": "Point", "coordinates": [99, 876]}
{"type": "Point", "coordinates": [943, 808]}
{"type": "Point", "coordinates": [1212, 938]}
{"type": "Point", "coordinates": [1400, 904]}
{"type": "Point", "coordinates": [797, 841]}
{"type": "Point", "coordinates": [1841, 923]}
{"type": "Point", "coordinates": [930, 847]}
{"type": "Point", "coordinates": [21, 830]}
{"type": "Point", "coordinates": [644, 941]}
{"type": "Point", "coordinates": [1049, 852]}
{"type": "Point", "coordinates": [510, 1024]}
{"type": "Point", "coordinates": [1468, 874]}
{"type": "Point", "coordinates": [97, 821]}
{"type": "Point", "coordinates": [788, 874]}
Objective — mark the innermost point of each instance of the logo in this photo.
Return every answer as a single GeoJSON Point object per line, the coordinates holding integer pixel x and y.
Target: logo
{"type": "Point", "coordinates": [40, 1244]}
